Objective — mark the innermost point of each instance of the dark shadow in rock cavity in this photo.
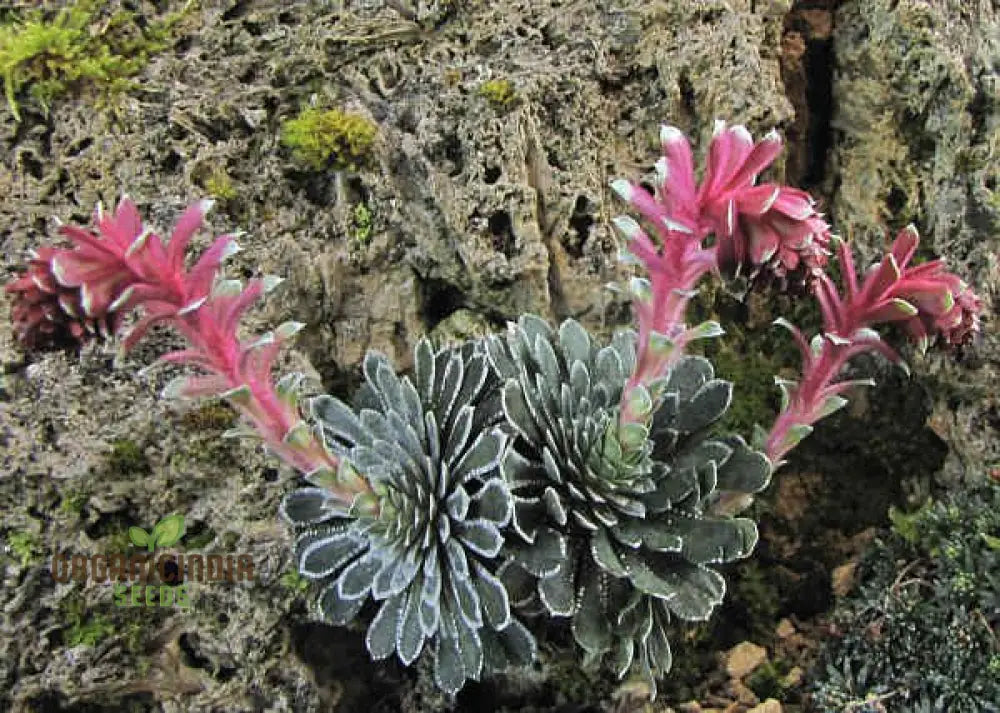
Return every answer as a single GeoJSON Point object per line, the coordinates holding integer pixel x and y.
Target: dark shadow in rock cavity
{"type": "Point", "coordinates": [343, 670]}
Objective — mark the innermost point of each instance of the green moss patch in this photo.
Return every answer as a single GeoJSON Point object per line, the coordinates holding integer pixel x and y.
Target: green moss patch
{"type": "Point", "coordinates": [83, 45]}
{"type": "Point", "coordinates": [323, 138]}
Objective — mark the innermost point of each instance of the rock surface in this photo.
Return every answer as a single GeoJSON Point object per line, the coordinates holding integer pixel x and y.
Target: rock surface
{"type": "Point", "coordinates": [479, 212]}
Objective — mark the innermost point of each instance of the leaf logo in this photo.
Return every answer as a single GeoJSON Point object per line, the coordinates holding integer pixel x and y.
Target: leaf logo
{"type": "Point", "coordinates": [166, 532]}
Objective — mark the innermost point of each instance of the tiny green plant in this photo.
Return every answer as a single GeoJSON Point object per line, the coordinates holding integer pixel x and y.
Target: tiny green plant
{"type": "Point", "coordinates": [84, 629]}
{"type": "Point", "coordinates": [24, 546]}
{"type": "Point", "coordinates": [294, 581]}
{"type": "Point", "coordinates": [166, 532]}
{"type": "Point", "coordinates": [361, 228]}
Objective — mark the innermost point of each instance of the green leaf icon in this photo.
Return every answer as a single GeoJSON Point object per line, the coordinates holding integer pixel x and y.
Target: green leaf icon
{"type": "Point", "coordinates": [139, 537]}
{"type": "Point", "coordinates": [167, 531]}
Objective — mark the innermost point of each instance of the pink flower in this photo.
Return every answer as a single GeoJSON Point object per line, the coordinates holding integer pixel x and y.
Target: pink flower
{"type": "Point", "coordinates": [925, 299]}
{"type": "Point", "coordinates": [71, 293]}
{"type": "Point", "coordinates": [122, 266]}
{"type": "Point", "coordinates": [766, 225]}
{"type": "Point", "coordinates": [757, 225]}
{"type": "Point", "coordinates": [48, 315]}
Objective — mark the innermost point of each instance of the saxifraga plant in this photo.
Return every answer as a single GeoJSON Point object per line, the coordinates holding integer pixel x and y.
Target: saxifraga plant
{"type": "Point", "coordinates": [616, 525]}
{"type": "Point", "coordinates": [535, 473]}
{"type": "Point", "coordinates": [424, 543]}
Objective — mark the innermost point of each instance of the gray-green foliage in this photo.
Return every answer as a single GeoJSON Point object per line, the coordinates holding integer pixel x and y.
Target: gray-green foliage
{"type": "Point", "coordinates": [617, 533]}
{"type": "Point", "coordinates": [431, 448]}
{"type": "Point", "coordinates": [504, 484]}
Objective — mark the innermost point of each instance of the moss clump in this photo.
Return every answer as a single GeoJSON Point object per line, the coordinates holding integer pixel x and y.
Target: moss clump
{"type": "Point", "coordinates": [755, 397]}
{"type": "Point", "coordinates": [77, 47]}
{"type": "Point", "coordinates": [321, 138]}
{"type": "Point", "coordinates": [219, 184]}
{"type": "Point", "coordinates": [127, 458]}
{"type": "Point", "coordinates": [210, 417]}
{"type": "Point", "coordinates": [84, 627]}
{"type": "Point", "coordinates": [24, 546]}
{"type": "Point", "coordinates": [361, 226]}
{"type": "Point", "coordinates": [498, 92]}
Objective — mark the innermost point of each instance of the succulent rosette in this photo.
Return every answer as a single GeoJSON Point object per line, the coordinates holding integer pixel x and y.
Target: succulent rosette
{"type": "Point", "coordinates": [616, 526]}
{"type": "Point", "coordinates": [423, 545]}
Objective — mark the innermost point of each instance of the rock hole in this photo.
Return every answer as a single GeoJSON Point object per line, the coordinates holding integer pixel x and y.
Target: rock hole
{"type": "Point", "coordinates": [580, 221]}
{"type": "Point", "coordinates": [80, 146]}
{"type": "Point", "coordinates": [451, 150]}
{"type": "Point", "coordinates": [491, 174]}
{"type": "Point", "coordinates": [182, 45]}
{"type": "Point", "coordinates": [553, 159]}
{"type": "Point", "coordinates": [807, 66]}
{"type": "Point", "coordinates": [503, 233]}
{"type": "Point", "coordinates": [32, 166]}
{"type": "Point", "coordinates": [819, 63]}
{"type": "Point", "coordinates": [343, 672]}
{"type": "Point", "coordinates": [236, 11]}
{"type": "Point", "coordinates": [356, 191]}
{"type": "Point", "coordinates": [198, 534]}
{"type": "Point", "coordinates": [171, 161]}
{"type": "Point", "coordinates": [111, 523]}
{"type": "Point", "coordinates": [895, 202]}
{"type": "Point", "coordinates": [194, 657]}
{"type": "Point", "coordinates": [687, 93]}
{"type": "Point", "coordinates": [438, 300]}
{"type": "Point", "coordinates": [249, 75]}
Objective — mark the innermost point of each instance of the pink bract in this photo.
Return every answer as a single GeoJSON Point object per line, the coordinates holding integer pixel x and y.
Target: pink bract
{"type": "Point", "coordinates": [70, 292]}
{"type": "Point", "coordinates": [766, 226]}
{"type": "Point", "coordinates": [926, 299]}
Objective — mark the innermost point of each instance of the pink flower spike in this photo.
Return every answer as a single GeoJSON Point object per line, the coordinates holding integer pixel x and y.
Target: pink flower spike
{"type": "Point", "coordinates": [73, 293]}
{"type": "Point", "coordinates": [926, 299]}
{"type": "Point", "coordinates": [755, 226]}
